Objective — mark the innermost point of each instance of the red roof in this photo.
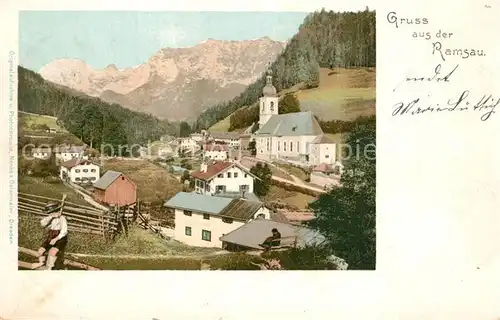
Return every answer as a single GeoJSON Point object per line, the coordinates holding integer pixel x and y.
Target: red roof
{"type": "Point", "coordinates": [216, 147]}
{"type": "Point", "coordinates": [74, 162]}
{"type": "Point", "coordinates": [212, 170]}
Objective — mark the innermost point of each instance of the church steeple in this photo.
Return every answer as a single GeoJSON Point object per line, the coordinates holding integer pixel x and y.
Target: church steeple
{"type": "Point", "coordinates": [269, 100]}
{"type": "Point", "coordinates": [269, 90]}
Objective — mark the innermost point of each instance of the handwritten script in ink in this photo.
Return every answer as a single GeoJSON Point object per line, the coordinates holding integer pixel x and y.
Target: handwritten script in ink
{"type": "Point", "coordinates": [448, 64]}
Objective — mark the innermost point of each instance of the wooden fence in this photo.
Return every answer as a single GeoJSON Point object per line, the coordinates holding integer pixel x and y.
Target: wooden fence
{"type": "Point", "coordinates": [80, 218]}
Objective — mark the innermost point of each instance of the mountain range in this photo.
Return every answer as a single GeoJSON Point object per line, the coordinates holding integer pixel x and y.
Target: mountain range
{"type": "Point", "coordinates": [175, 83]}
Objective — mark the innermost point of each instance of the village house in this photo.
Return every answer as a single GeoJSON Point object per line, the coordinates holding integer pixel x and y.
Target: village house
{"type": "Point", "coordinates": [250, 236]}
{"type": "Point", "coordinates": [65, 153]}
{"type": "Point", "coordinates": [223, 177]}
{"type": "Point", "coordinates": [116, 189]}
{"type": "Point", "coordinates": [198, 137]}
{"type": "Point", "coordinates": [79, 170]}
{"type": "Point", "coordinates": [232, 139]}
{"type": "Point", "coordinates": [327, 175]}
{"type": "Point", "coordinates": [293, 137]}
{"type": "Point", "coordinates": [215, 152]}
{"type": "Point", "coordinates": [188, 145]}
{"type": "Point", "coordinates": [41, 153]}
{"type": "Point", "coordinates": [200, 220]}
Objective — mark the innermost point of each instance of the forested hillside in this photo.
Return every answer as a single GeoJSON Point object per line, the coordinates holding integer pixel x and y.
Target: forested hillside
{"type": "Point", "coordinates": [326, 39]}
{"type": "Point", "coordinates": [94, 121]}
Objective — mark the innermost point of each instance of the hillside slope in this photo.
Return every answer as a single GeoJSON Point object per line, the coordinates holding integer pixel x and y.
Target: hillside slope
{"type": "Point", "coordinates": [326, 39]}
{"type": "Point", "coordinates": [93, 120]}
{"type": "Point", "coordinates": [342, 94]}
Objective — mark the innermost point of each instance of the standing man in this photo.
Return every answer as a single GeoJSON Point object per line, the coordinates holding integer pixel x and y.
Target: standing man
{"type": "Point", "coordinates": [57, 235]}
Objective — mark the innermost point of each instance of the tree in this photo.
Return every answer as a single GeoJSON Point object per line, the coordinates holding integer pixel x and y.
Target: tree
{"type": "Point", "coordinates": [185, 176]}
{"type": "Point", "coordinates": [263, 172]}
{"type": "Point", "coordinates": [346, 215]}
{"type": "Point", "coordinates": [184, 129]}
{"type": "Point", "coordinates": [289, 104]}
{"type": "Point", "coordinates": [252, 147]}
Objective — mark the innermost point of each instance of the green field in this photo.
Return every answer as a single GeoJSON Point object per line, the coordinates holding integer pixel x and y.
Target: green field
{"type": "Point", "coordinates": [343, 94]}
{"type": "Point", "coordinates": [31, 121]}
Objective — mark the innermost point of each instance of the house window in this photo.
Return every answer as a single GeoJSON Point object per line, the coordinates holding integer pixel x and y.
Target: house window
{"type": "Point", "coordinates": [220, 175]}
{"type": "Point", "coordinates": [261, 215]}
{"type": "Point", "coordinates": [77, 170]}
{"type": "Point", "coordinates": [235, 175]}
{"type": "Point", "coordinates": [246, 175]}
{"type": "Point", "coordinates": [92, 178]}
{"type": "Point", "coordinates": [229, 174]}
{"type": "Point", "coordinates": [244, 187]}
{"type": "Point", "coordinates": [77, 179]}
{"type": "Point", "coordinates": [188, 213]}
{"type": "Point", "coordinates": [206, 235]}
{"type": "Point", "coordinates": [219, 189]}
{"type": "Point", "coordinates": [291, 146]}
{"type": "Point", "coordinates": [85, 170]}
{"type": "Point", "coordinates": [206, 216]}
{"type": "Point", "coordinates": [227, 220]}
{"type": "Point", "coordinates": [187, 231]}
{"type": "Point", "coordinates": [92, 170]}
{"type": "Point", "coordinates": [327, 156]}
{"type": "Point", "coordinates": [284, 145]}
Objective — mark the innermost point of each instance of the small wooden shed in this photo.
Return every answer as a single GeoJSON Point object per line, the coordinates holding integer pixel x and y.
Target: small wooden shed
{"type": "Point", "coordinates": [114, 188]}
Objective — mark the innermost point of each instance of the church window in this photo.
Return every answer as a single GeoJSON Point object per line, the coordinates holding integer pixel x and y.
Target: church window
{"type": "Point", "coordinates": [268, 145]}
{"type": "Point", "coordinates": [298, 146]}
{"type": "Point", "coordinates": [278, 146]}
{"type": "Point", "coordinates": [262, 106]}
{"type": "Point", "coordinates": [272, 106]}
{"type": "Point", "coordinates": [284, 145]}
{"type": "Point", "coordinates": [291, 146]}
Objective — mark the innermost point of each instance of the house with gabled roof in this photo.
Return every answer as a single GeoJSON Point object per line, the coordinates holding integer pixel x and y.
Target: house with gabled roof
{"type": "Point", "coordinates": [215, 151]}
{"type": "Point", "coordinates": [115, 189]}
{"type": "Point", "coordinates": [79, 170]}
{"type": "Point", "coordinates": [251, 235]}
{"type": "Point", "coordinates": [327, 175]}
{"type": "Point", "coordinates": [217, 177]}
{"type": "Point", "coordinates": [200, 220]}
{"type": "Point", "coordinates": [290, 137]}
{"type": "Point", "coordinates": [68, 152]}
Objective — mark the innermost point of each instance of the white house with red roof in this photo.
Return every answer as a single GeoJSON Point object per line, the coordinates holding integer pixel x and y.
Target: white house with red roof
{"type": "Point", "coordinates": [223, 177]}
{"type": "Point", "coordinates": [79, 170]}
{"type": "Point", "coordinates": [215, 152]}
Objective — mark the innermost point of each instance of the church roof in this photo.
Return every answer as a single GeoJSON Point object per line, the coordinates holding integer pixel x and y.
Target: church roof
{"type": "Point", "coordinates": [291, 124]}
{"type": "Point", "coordinates": [323, 139]}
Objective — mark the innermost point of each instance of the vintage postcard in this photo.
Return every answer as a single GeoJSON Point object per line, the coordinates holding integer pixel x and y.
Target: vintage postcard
{"type": "Point", "coordinates": [244, 137]}
{"type": "Point", "coordinates": [248, 144]}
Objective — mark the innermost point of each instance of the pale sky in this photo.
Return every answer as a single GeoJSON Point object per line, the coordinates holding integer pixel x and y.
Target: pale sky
{"type": "Point", "coordinates": [129, 38]}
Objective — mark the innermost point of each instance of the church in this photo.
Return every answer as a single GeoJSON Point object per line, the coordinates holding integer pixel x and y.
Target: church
{"type": "Point", "coordinates": [296, 138]}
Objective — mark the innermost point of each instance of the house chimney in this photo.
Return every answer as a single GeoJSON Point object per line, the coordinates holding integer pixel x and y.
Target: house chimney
{"type": "Point", "coordinates": [203, 167]}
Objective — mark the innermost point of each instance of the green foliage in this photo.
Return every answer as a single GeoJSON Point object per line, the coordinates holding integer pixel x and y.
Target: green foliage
{"type": "Point", "coordinates": [185, 176]}
{"type": "Point", "coordinates": [236, 261]}
{"type": "Point", "coordinates": [185, 129]}
{"type": "Point", "coordinates": [263, 172]}
{"type": "Point", "coordinates": [252, 147]}
{"type": "Point", "coordinates": [289, 104]}
{"type": "Point", "coordinates": [326, 39]}
{"type": "Point", "coordinates": [92, 120]}
{"type": "Point", "coordinates": [346, 215]}
{"type": "Point", "coordinates": [339, 126]}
